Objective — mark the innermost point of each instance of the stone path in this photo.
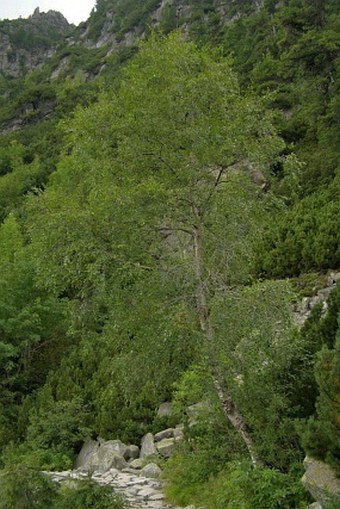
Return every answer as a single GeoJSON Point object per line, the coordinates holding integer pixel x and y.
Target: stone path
{"type": "Point", "coordinates": [140, 491]}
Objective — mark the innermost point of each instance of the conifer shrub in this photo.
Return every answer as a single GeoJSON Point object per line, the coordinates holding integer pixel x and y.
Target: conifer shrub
{"type": "Point", "coordinates": [321, 435]}
{"type": "Point", "coordinates": [305, 238]}
{"type": "Point", "coordinates": [25, 488]}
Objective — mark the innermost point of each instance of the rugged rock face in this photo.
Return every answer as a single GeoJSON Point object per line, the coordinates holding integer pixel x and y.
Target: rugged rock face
{"type": "Point", "coordinates": [50, 18]}
{"type": "Point", "coordinates": [181, 11]}
{"type": "Point", "coordinates": [303, 309]}
{"type": "Point", "coordinates": [26, 44]}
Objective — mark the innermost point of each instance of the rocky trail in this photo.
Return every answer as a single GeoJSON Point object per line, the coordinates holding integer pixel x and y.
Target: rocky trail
{"type": "Point", "coordinates": [130, 470]}
{"type": "Point", "coordinates": [139, 490]}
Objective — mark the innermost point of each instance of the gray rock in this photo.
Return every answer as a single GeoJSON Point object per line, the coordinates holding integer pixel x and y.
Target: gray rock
{"type": "Point", "coordinates": [137, 464]}
{"type": "Point", "coordinates": [106, 458]}
{"type": "Point", "coordinates": [166, 447]}
{"type": "Point", "coordinates": [152, 470]}
{"type": "Point", "coordinates": [316, 505]}
{"type": "Point", "coordinates": [116, 461]}
{"type": "Point", "coordinates": [165, 409]}
{"type": "Point", "coordinates": [303, 309]}
{"type": "Point", "coordinates": [148, 446]}
{"type": "Point", "coordinates": [321, 482]}
{"type": "Point", "coordinates": [115, 445]}
{"type": "Point", "coordinates": [131, 452]}
{"type": "Point", "coordinates": [89, 448]}
{"type": "Point", "coordinates": [179, 432]}
{"type": "Point", "coordinates": [166, 433]}
{"type": "Point", "coordinates": [100, 455]}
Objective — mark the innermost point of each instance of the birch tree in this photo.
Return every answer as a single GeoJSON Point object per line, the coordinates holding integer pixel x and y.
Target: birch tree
{"type": "Point", "coordinates": [162, 169]}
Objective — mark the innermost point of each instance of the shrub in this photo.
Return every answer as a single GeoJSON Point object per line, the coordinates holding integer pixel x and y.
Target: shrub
{"type": "Point", "coordinates": [25, 488]}
{"type": "Point", "coordinates": [88, 495]}
{"type": "Point", "coordinates": [238, 486]}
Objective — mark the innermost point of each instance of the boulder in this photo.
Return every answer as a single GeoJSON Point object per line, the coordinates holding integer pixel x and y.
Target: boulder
{"type": "Point", "coordinates": [179, 432]}
{"type": "Point", "coordinates": [116, 461]}
{"type": "Point", "coordinates": [166, 447]}
{"type": "Point", "coordinates": [165, 409]}
{"type": "Point", "coordinates": [151, 470]}
{"type": "Point", "coordinates": [321, 482]}
{"type": "Point", "coordinates": [131, 452]}
{"type": "Point", "coordinates": [148, 446]}
{"type": "Point", "coordinates": [316, 505]}
{"type": "Point", "coordinates": [108, 456]}
{"type": "Point", "coordinates": [101, 456]}
{"type": "Point", "coordinates": [136, 464]}
{"type": "Point", "coordinates": [115, 445]}
{"type": "Point", "coordinates": [166, 433]}
{"type": "Point", "coordinates": [83, 459]}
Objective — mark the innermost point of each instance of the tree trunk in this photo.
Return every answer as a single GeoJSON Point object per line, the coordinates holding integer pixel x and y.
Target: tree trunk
{"type": "Point", "coordinates": [230, 409]}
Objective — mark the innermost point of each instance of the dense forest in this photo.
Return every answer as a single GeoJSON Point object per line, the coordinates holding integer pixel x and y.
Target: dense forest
{"type": "Point", "coordinates": [165, 206]}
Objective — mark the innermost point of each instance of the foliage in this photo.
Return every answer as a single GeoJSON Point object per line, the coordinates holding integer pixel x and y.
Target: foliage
{"type": "Point", "coordinates": [98, 302]}
{"type": "Point", "coordinates": [30, 34]}
{"type": "Point", "coordinates": [17, 182]}
{"type": "Point", "coordinates": [208, 445]}
{"type": "Point", "coordinates": [105, 245]}
{"type": "Point", "coordinates": [191, 388]}
{"type": "Point", "coordinates": [291, 49]}
{"type": "Point", "coordinates": [127, 15]}
{"type": "Point", "coordinates": [321, 436]}
{"type": "Point", "coordinates": [305, 237]}
{"type": "Point", "coordinates": [237, 486]}
{"type": "Point", "coordinates": [88, 495]}
{"type": "Point", "coordinates": [257, 347]}
{"type": "Point", "coordinates": [25, 488]}
{"type": "Point", "coordinates": [32, 325]}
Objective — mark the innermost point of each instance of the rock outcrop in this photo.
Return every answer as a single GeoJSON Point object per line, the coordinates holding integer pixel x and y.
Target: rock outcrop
{"type": "Point", "coordinates": [321, 482]}
{"type": "Point", "coordinates": [304, 309]}
{"type": "Point", "coordinates": [26, 44]}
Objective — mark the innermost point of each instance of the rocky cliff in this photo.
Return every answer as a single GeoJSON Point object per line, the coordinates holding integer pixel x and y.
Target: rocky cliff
{"type": "Point", "coordinates": [26, 44]}
{"type": "Point", "coordinates": [48, 43]}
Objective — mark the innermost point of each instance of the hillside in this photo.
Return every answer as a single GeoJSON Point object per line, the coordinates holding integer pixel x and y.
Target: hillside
{"type": "Point", "coordinates": [170, 231]}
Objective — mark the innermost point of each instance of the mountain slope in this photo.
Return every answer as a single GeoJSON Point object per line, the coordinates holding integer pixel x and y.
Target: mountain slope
{"type": "Point", "coordinates": [164, 205]}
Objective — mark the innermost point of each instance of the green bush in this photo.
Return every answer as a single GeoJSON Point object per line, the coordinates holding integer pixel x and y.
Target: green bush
{"type": "Point", "coordinates": [88, 495]}
{"type": "Point", "coordinates": [304, 238]}
{"type": "Point", "coordinates": [238, 486]}
{"type": "Point", "coordinates": [186, 473]}
{"type": "Point", "coordinates": [25, 488]}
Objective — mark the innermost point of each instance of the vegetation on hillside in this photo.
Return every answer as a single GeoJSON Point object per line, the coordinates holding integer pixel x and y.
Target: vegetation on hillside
{"type": "Point", "coordinates": [149, 225]}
